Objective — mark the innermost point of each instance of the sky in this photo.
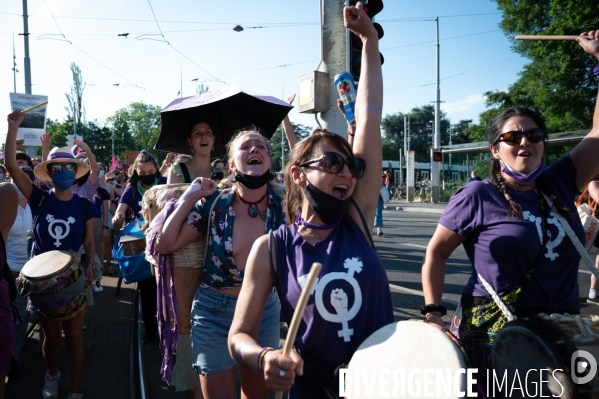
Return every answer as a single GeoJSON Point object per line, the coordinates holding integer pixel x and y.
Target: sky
{"type": "Point", "coordinates": [280, 42]}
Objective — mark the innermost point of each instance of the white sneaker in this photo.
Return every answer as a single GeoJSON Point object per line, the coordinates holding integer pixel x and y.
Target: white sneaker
{"type": "Point", "coordinates": [51, 386]}
{"type": "Point", "coordinates": [75, 396]}
{"type": "Point", "coordinates": [98, 286]}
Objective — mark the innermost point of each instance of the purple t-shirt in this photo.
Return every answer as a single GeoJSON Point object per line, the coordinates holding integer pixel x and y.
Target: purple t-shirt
{"type": "Point", "coordinates": [61, 224]}
{"type": "Point", "coordinates": [100, 196]}
{"type": "Point", "coordinates": [87, 190]}
{"type": "Point", "coordinates": [127, 193]}
{"type": "Point", "coordinates": [502, 249]}
{"type": "Point", "coordinates": [351, 298]}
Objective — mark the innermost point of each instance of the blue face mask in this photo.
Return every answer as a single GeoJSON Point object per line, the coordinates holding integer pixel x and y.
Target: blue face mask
{"type": "Point", "coordinates": [63, 180]}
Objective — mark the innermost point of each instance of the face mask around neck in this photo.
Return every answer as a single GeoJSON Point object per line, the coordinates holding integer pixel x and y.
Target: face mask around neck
{"type": "Point", "coordinates": [253, 182]}
{"type": "Point", "coordinates": [523, 178]}
{"type": "Point", "coordinates": [328, 208]}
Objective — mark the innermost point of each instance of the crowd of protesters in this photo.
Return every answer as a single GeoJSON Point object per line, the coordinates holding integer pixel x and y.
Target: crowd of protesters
{"type": "Point", "coordinates": [261, 232]}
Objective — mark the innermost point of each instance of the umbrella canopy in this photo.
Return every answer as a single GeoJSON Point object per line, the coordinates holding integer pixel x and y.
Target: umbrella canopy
{"type": "Point", "coordinates": [226, 111]}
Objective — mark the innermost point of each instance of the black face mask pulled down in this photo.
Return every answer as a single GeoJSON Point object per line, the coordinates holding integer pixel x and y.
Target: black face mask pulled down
{"type": "Point", "coordinates": [328, 208]}
{"type": "Point", "coordinates": [253, 182]}
{"type": "Point", "coordinates": [148, 180]}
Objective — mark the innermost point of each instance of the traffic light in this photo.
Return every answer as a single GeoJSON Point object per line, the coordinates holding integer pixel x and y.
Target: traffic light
{"type": "Point", "coordinates": [371, 8]}
{"type": "Point", "coordinates": [437, 155]}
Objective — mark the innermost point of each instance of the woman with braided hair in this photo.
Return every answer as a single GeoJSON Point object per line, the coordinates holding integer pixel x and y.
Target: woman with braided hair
{"type": "Point", "coordinates": [517, 246]}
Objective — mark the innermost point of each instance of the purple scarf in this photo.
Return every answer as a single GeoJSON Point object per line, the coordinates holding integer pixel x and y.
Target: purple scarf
{"type": "Point", "coordinates": [168, 337]}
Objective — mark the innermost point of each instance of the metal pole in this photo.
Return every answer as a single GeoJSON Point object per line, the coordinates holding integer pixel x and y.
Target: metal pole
{"type": "Point", "coordinates": [334, 39]}
{"type": "Point", "coordinates": [75, 117]}
{"type": "Point", "coordinates": [27, 64]}
{"type": "Point", "coordinates": [14, 62]}
{"type": "Point", "coordinates": [112, 136]}
{"type": "Point", "coordinates": [435, 178]}
{"type": "Point", "coordinates": [405, 137]}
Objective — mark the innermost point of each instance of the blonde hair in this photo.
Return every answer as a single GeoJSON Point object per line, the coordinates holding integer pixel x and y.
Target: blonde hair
{"type": "Point", "coordinates": [229, 180]}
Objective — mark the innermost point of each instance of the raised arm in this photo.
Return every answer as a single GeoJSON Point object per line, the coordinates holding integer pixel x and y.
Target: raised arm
{"type": "Point", "coordinates": [288, 128]}
{"type": "Point", "coordinates": [367, 143]}
{"type": "Point", "coordinates": [10, 155]}
{"type": "Point", "coordinates": [93, 165]}
{"type": "Point", "coordinates": [175, 232]}
{"type": "Point", "coordinates": [584, 156]}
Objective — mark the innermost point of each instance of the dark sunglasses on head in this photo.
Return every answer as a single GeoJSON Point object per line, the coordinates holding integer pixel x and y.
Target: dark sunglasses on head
{"type": "Point", "coordinates": [56, 168]}
{"type": "Point", "coordinates": [535, 135]}
{"type": "Point", "coordinates": [333, 162]}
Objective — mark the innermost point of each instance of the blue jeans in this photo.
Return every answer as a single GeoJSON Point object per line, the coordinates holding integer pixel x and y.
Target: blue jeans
{"type": "Point", "coordinates": [378, 217]}
{"type": "Point", "coordinates": [211, 318]}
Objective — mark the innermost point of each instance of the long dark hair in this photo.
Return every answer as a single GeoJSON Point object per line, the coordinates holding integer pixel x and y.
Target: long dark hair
{"type": "Point", "coordinates": [143, 157]}
{"type": "Point", "coordinates": [493, 132]}
{"type": "Point", "coordinates": [302, 152]}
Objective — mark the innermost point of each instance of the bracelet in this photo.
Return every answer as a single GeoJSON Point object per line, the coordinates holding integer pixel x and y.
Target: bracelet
{"type": "Point", "coordinates": [106, 227]}
{"type": "Point", "coordinates": [263, 352]}
{"type": "Point", "coordinates": [91, 264]}
{"type": "Point", "coordinates": [351, 134]}
{"type": "Point", "coordinates": [433, 308]}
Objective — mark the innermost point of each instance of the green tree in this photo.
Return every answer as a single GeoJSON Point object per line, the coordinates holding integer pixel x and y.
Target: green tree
{"type": "Point", "coordinates": [75, 108]}
{"type": "Point", "coordinates": [138, 127]}
{"type": "Point", "coordinates": [301, 132]}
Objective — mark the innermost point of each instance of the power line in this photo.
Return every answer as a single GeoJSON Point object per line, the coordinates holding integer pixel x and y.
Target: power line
{"type": "Point", "coordinates": [433, 41]}
{"type": "Point", "coordinates": [452, 76]}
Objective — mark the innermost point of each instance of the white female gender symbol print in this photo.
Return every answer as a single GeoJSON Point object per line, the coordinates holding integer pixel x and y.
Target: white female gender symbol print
{"type": "Point", "coordinates": [338, 298]}
{"type": "Point", "coordinates": [56, 229]}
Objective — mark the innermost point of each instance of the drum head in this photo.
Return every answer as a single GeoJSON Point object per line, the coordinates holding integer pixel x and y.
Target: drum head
{"type": "Point", "coordinates": [47, 265]}
{"type": "Point", "coordinates": [408, 345]}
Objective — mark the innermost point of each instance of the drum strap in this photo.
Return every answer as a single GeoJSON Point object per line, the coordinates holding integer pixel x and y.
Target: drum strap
{"type": "Point", "coordinates": [272, 254]}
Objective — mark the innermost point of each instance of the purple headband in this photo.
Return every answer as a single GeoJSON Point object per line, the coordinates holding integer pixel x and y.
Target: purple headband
{"type": "Point", "coordinates": [57, 155]}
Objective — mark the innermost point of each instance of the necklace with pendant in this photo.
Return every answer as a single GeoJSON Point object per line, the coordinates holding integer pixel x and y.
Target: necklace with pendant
{"type": "Point", "coordinates": [253, 210]}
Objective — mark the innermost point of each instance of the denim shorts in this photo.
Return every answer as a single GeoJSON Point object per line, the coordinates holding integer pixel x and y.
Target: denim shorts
{"type": "Point", "coordinates": [211, 318]}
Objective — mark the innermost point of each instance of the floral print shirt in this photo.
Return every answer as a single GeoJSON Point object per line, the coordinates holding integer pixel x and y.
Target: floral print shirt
{"type": "Point", "coordinates": [220, 270]}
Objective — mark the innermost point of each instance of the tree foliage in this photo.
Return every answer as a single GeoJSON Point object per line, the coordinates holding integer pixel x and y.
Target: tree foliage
{"type": "Point", "coordinates": [138, 125]}
{"type": "Point", "coordinates": [301, 132]}
{"type": "Point", "coordinates": [75, 108]}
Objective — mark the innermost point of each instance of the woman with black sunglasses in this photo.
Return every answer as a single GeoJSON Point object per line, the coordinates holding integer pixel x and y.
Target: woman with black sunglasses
{"type": "Point", "coordinates": [510, 232]}
{"type": "Point", "coordinates": [60, 205]}
{"type": "Point", "coordinates": [330, 184]}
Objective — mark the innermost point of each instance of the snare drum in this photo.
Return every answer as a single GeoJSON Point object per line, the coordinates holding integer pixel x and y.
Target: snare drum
{"type": "Point", "coordinates": [409, 345]}
{"type": "Point", "coordinates": [549, 342]}
{"type": "Point", "coordinates": [55, 283]}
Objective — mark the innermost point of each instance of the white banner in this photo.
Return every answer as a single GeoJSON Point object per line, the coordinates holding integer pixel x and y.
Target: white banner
{"type": "Point", "coordinates": [34, 124]}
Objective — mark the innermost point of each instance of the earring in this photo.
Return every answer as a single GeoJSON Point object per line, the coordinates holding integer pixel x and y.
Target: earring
{"type": "Point", "coordinates": [212, 149]}
{"type": "Point", "coordinates": [192, 150]}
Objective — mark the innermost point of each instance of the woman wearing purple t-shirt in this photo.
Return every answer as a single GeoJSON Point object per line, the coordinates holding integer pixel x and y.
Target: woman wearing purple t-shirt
{"type": "Point", "coordinates": [61, 205]}
{"type": "Point", "coordinates": [351, 299]}
{"type": "Point", "coordinates": [512, 237]}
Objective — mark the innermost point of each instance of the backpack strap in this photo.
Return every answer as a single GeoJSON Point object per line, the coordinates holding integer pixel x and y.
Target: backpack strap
{"type": "Point", "coordinates": [84, 208]}
{"type": "Point", "coordinates": [272, 254]}
{"type": "Point", "coordinates": [185, 171]}
{"type": "Point", "coordinates": [40, 207]}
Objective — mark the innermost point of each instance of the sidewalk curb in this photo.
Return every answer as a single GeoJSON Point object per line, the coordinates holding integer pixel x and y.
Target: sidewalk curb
{"type": "Point", "coordinates": [413, 209]}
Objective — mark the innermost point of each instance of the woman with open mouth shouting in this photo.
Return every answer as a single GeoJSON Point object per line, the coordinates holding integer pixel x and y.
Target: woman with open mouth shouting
{"type": "Point", "coordinates": [330, 184]}
{"type": "Point", "coordinates": [233, 219]}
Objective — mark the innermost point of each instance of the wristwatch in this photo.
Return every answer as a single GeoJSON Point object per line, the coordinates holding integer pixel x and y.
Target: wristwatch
{"type": "Point", "coordinates": [433, 308]}
{"type": "Point", "coordinates": [106, 227]}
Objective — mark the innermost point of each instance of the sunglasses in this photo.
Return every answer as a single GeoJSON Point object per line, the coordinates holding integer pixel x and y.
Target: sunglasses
{"type": "Point", "coordinates": [56, 168]}
{"type": "Point", "coordinates": [535, 135]}
{"type": "Point", "coordinates": [333, 162]}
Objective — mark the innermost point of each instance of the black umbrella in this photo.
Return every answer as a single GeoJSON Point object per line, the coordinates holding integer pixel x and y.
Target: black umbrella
{"type": "Point", "coordinates": [226, 111]}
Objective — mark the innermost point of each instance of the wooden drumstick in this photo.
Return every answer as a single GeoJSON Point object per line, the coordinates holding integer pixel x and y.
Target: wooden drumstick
{"type": "Point", "coordinates": [32, 108]}
{"type": "Point", "coordinates": [299, 312]}
{"type": "Point", "coordinates": [546, 37]}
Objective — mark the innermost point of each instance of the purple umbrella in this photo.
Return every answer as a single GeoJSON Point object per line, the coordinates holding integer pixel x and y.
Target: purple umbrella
{"type": "Point", "coordinates": [226, 111]}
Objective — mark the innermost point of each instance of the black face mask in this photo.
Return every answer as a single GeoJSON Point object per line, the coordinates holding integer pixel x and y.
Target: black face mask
{"type": "Point", "coordinates": [148, 180]}
{"type": "Point", "coordinates": [253, 182]}
{"type": "Point", "coordinates": [328, 208]}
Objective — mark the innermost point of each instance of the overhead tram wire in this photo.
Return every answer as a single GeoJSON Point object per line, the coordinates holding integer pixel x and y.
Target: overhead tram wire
{"type": "Point", "coordinates": [173, 47]}
{"type": "Point", "coordinates": [105, 66]}
{"type": "Point", "coordinates": [452, 76]}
